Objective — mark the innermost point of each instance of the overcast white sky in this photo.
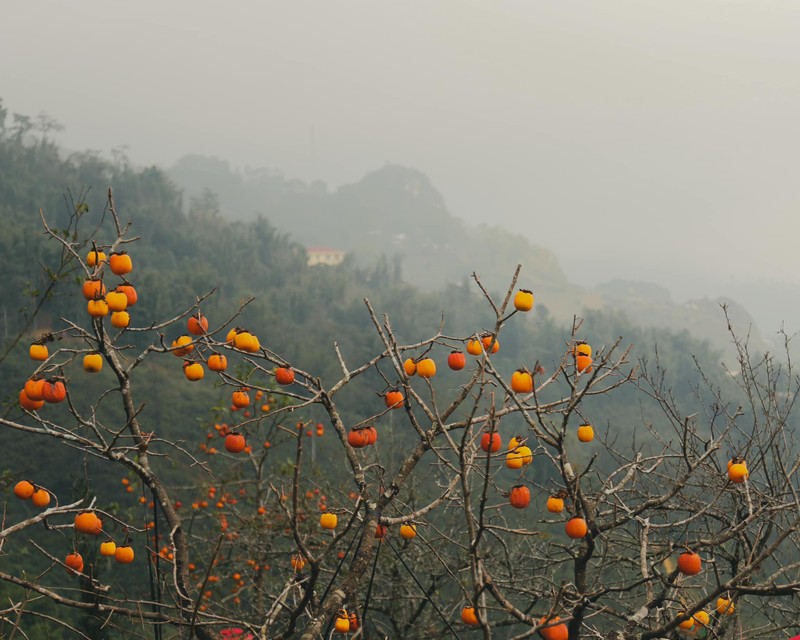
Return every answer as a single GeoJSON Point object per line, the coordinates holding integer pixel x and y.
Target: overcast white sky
{"type": "Point", "coordinates": [636, 138]}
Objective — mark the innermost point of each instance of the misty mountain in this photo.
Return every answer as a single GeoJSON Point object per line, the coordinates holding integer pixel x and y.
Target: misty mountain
{"type": "Point", "coordinates": [393, 212]}
{"type": "Point", "coordinates": [397, 214]}
{"type": "Point", "coordinates": [651, 305]}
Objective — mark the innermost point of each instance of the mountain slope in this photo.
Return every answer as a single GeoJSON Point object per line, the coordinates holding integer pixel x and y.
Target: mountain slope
{"type": "Point", "coordinates": [396, 214]}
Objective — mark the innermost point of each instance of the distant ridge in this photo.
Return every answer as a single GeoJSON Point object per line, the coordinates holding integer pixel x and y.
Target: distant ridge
{"type": "Point", "coordinates": [396, 213]}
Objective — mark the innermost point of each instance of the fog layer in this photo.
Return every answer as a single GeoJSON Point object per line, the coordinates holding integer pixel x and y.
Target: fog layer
{"type": "Point", "coordinates": [637, 139]}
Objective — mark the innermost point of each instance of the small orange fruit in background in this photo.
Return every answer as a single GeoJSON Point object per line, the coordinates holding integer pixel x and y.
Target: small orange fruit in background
{"type": "Point", "coordinates": [328, 520]}
{"type": "Point", "coordinates": [124, 554]}
{"type": "Point", "coordinates": [108, 548]}
{"type": "Point", "coordinates": [490, 343]}
{"type": "Point", "coordinates": [474, 347]}
{"type": "Point", "coordinates": [24, 489]}
{"type": "Point", "coordinates": [116, 300]}
{"type": "Point", "coordinates": [393, 399]}
{"type": "Point", "coordinates": [525, 454]}
{"type": "Point", "coordinates": [245, 341]}
{"type": "Point", "coordinates": [342, 623]}
{"type": "Point", "coordinates": [689, 563]}
{"type": "Point", "coordinates": [130, 293]}
{"type": "Point", "coordinates": [97, 308]}
{"type": "Point", "coordinates": [284, 375]}
{"type": "Point", "coordinates": [582, 349]}
{"type": "Point", "coordinates": [491, 441]}
{"type": "Point", "coordinates": [522, 381]}
{"type": "Point", "coordinates": [120, 319]}
{"type": "Point", "coordinates": [38, 351]}
{"type": "Point", "coordinates": [725, 606]}
{"type": "Point", "coordinates": [519, 497]}
{"type": "Point", "coordinates": [576, 527]}
{"type": "Point", "coordinates": [457, 360]}
{"type": "Point", "coordinates": [358, 438]}
{"type": "Point", "coordinates": [182, 346]}
{"type": "Point", "coordinates": [26, 403]}
{"type": "Point", "coordinates": [240, 398]}
{"type": "Point", "coordinates": [197, 324]}
{"type": "Point", "coordinates": [120, 263]}
{"type": "Point", "coordinates": [93, 288]}
{"type": "Point", "coordinates": [54, 391]}
{"type": "Point", "coordinates": [702, 618]}
{"type": "Point", "coordinates": [193, 371]}
{"type": "Point", "coordinates": [95, 257]}
{"type": "Point", "coordinates": [74, 562]}
{"type": "Point", "coordinates": [235, 442]}
{"type": "Point", "coordinates": [518, 454]}
{"type": "Point", "coordinates": [34, 388]}
{"type": "Point", "coordinates": [585, 433]}
{"type": "Point", "coordinates": [583, 363]}
{"type": "Point", "coordinates": [523, 300]}
{"type": "Point", "coordinates": [89, 523]}
{"type": "Point", "coordinates": [737, 470]}
{"type": "Point", "coordinates": [468, 616]}
{"type": "Point", "coordinates": [554, 632]}
{"type": "Point", "coordinates": [426, 368]}
{"type": "Point", "coordinates": [217, 362]}
{"type": "Point", "coordinates": [92, 362]}
{"type": "Point", "coordinates": [687, 624]}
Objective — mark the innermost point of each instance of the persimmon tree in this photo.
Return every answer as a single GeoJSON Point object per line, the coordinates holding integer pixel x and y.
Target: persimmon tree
{"type": "Point", "coordinates": [471, 500]}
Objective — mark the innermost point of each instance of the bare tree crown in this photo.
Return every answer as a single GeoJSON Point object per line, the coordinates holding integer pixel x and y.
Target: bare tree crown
{"type": "Point", "coordinates": [470, 501]}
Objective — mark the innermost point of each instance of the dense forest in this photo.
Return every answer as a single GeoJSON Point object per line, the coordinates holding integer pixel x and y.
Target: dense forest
{"type": "Point", "coordinates": [396, 230]}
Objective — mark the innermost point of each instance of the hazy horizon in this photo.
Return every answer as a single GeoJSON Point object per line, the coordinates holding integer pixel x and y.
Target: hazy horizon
{"type": "Point", "coordinates": [635, 139]}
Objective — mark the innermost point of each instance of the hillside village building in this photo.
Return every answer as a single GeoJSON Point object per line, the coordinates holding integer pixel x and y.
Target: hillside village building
{"type": "Point", "coordinates": [323, 255]}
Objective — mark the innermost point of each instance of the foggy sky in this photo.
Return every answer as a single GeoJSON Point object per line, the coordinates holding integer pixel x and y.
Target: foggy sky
{"type": "Point", "coordinates": [635, 138]}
